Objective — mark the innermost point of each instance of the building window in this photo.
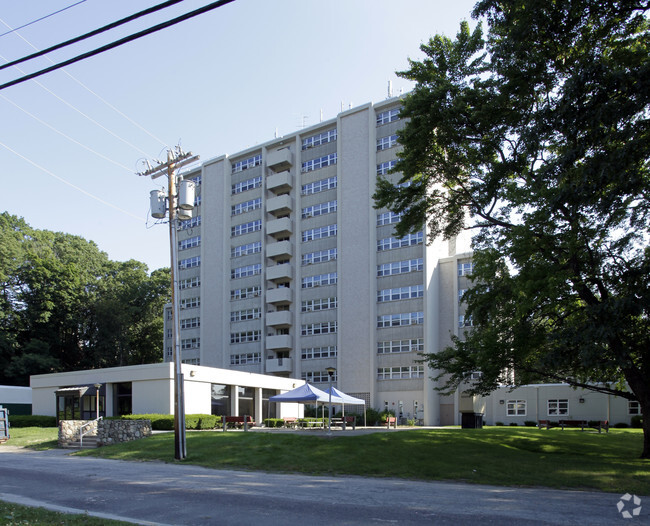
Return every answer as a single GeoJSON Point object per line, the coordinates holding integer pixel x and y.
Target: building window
{"type": "Point", "coordinates": [465, 269]}
{"type": "Point", "coordinates": [256, 160]}
{"type": "Point", "coordinates": [516, 407]}
{"type": "Point", "coordinates": [248, 184]}
{"type": "Point", "coordinates": [189, 263]}
{"type": "Point", "coordinates": [388, 116]}
{"type": "Point", "coordinates": [399, 346]}
{"type": "Point", "coordinates": [319, 233]}
{"type": "Point", "coordinates": [189, 283]}
{"type": "Point", "coordinates": [197, 180]}
{"type": "Point", "coordinates": [388, 218]}
{"type": "Point", "coordinates": [400, 320]}
{"type": "Point", "coordinates": [319, 209]}
{"type": "Point", "coordinates": [408, 240]}
{"type": "Point", "coordinates": [313, 353]}
{"type": "Point", "coordinates": [244, 315]}
{"type": "Point", "coordinates": [465, 321]}
{"type": "Point", "coordinates": [190, 303]}
{"type": "Point", "coordinates": [317, 140]}
{"type": "Point", "coordinates": [402, 293]}
{"type": "Point", "coordinates": [190, 223]}
{"type": "Point", "coordinates": [245, 359]}
{"type": "Point", "coordinates": [318, 377]}
{"type": "Point", "coordinates": [319, 257]}
{"type": "Point", "coordinates": [245, 250]}
{"type": "Point", "coordinates": [386, 142]}
{"type": "Point", "coordinates": [633, 407]}
{"type": "Point", "coordinates": [319, 186]}
{"type": "Point", "coordinates": [189, 243]}
{"type": "Point", "coordinates": [244, 272]}
{"type": "Point", "coordinates": [319, 304]}
{"type": "Point", "coordinates": [191, 361]}
{"type": "Point", "coordinates": [321, 162]}
{"type": "Point", "coordinates": [312, 329]}
{"type": "Point", "coordinates": [245, 293]}
{"type": "Point", "coordinates": [190, 343]}
{"type": "Point", "coordinates": [385, 168]}
{"type": "Point", "coordinates": [400, 267]}
{"type": "Point", "coordinates": [400, 373]}
{"type": "Point", "coordinates": [190, 323]}
{"type": "Point", "coordinates": [245, 337]}
{"type": "Point", "coordinates": [461, 292]}
{"type": "Point", "coordinates": [246, 206]}
{"type": "Point", "coordinates": [321, 279]}
{"type": "Point", "coordinates": [558, 407]}
{"type": "Point", "coordinates": [246, 228]}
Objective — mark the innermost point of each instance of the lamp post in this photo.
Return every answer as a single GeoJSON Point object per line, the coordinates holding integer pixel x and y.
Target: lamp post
{"type": "Point", "coordinates": [97, 386]}
{"type": "Point", "coordinates": [330, 372]}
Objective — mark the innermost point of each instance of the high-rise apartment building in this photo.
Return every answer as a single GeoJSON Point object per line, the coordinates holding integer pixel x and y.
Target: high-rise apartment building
{"type": "Point", "coordinates": [287, 268]}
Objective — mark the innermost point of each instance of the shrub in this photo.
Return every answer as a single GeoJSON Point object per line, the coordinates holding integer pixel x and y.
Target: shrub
{"type": "Point", "coordinates": [372, 416]}
{"type": "Point", "coordinates": [621, 425]}
{"type": "Point", "coordinates": [513, 424]}
{"type": "Point", "coordinates": [530, 423]}
{"type": "Point", "coordinates": [498, 423]}
{"type": "Point", "coordinates": [274, 422]}
{"type": "Point", "coordinates": [32, 421]}
{"type": "Point", "coordinates": [636, 421]}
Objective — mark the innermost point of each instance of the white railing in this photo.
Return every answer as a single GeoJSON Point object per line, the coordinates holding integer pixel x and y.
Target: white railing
{"type": "Point", "coordinates": [81, 429]}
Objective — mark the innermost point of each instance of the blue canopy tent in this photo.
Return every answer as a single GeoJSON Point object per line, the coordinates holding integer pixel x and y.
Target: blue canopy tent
{"type": "Point", "coordinates": [348, 399]}
{"type": "Point", "coordinates": [306, 394]}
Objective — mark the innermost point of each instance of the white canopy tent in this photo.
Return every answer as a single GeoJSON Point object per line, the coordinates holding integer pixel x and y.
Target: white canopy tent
{"type": "Point", "coordinates": [348, 399]}
{"type": "Point", "coordinates": [307, 394]}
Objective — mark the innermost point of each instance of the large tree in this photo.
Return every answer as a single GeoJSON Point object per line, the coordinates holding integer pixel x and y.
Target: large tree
{"type": "Point", "coordinates": [536, 138]}
{"type": "Point", "coordinates": [64, 305]}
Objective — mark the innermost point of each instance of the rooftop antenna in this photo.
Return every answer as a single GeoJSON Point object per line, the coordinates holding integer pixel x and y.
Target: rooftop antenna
{"type": "Point", "coordinates": [390, 89]}
{"type": "Point", "coordinates": [321, 114]}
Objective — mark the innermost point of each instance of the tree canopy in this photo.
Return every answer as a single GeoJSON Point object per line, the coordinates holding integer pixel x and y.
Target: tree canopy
{"type": "Point", "coordinates": [536, 137]}
{"type": "Point", "coordinates": [64, 305]}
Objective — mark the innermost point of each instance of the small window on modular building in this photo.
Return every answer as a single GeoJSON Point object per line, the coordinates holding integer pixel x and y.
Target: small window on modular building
{"type": "Point", "coordinates": [558, 407]}
{"type": "Point", "coordinates": [516, 407]}
{"type": "Point", "coordinates": [633, 407]}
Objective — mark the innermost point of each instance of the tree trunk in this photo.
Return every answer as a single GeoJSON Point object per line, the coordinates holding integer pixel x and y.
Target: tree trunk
{"type": "Point", "coordinates": [645, 415]}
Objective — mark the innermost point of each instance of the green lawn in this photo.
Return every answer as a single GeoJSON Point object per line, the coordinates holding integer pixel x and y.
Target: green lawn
{"type": "Point", "coordinates": [492, 455]}
{"type": "Point", "coordinates": [15, 515]}
{"type": "Point", "coordinates": [500, 456]}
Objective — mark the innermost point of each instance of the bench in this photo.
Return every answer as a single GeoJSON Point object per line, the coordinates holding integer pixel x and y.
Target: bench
{"type": "Point", "coordinates": [291, 422]}
{"type": "Point", "coordinates": [238, 421]}
{"type": "Point", "coordinates": [391, 420]}
{"type": "Point", "coordinates": [602, 424]}
{"type": "Point", "coordinates": [574, 423]}
{"type": "Point", "coordinates": [309, 423]}
{"type": "Point", "coordinates": [345, 421]}
{"type": "Point", "coordinates": [544, 423]}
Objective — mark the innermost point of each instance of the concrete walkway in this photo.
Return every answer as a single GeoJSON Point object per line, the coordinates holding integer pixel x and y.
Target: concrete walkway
{"type": "Point", "coordinates": [181, 494]}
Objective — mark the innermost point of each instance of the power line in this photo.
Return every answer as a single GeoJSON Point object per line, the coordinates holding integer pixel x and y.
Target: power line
{"type": "Point", "coordinates": [42, 18]}
{"type": "Point", "coordinates": [93, 33]}
{"type": "Point", "coordinates": [91, 92]}
{"type": "Point", "coordinates": [61, 179]}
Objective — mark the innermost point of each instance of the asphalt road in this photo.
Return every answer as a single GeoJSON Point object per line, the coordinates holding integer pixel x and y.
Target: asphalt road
{"type": "Point", "coordinates": [173, 494]}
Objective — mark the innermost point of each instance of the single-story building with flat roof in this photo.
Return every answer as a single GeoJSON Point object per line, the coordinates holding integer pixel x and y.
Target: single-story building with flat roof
{"type": "Point", "coordinates": [17, 399]}
{"type": "Point", "coordinates": [141, 389]}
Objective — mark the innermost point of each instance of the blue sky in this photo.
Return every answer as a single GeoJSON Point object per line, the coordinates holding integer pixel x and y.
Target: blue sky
{"type": "Point", "coordinates": [73, 140]}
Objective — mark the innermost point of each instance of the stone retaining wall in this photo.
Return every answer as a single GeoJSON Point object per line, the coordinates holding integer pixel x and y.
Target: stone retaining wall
{"type": "Point", "coordinates": [107, 431]}
{"type": "Point", "coordinates": [116, 431]}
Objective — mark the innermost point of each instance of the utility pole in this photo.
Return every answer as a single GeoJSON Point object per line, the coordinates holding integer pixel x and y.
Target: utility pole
{"type": "Point", "coordinates": [180, 202]}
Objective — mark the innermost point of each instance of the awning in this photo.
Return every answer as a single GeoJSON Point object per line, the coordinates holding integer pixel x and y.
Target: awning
{"type": "Point", "coordinates": [79, 390]}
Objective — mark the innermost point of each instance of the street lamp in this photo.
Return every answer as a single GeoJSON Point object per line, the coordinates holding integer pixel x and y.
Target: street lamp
{"type": "Point", "coordinates": [97, 386]}
{"type": "Point", "coordinates": [330, 372]}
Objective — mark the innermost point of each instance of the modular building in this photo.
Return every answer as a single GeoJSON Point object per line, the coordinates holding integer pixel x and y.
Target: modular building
{"type": "Point", "coordinates": [142, 389]}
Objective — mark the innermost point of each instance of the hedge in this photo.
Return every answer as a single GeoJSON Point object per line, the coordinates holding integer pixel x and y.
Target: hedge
{"type": "Point", "coordinates": [32, 421]}
{"type": "Point", "coordinates": [166, 422]}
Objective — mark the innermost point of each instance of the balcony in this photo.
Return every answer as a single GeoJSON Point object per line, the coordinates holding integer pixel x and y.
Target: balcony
{"type": "Point", "coordinates": [279, 272]}
{"type": "Point", "coordinates": [279, 319]}
{"type": "Point", "coordinates": [279, 342]}
{"type": "Point", "coordinates": [281, 295]}
{"type": "Point", "coordinates": [279, 249]}
{"type": "Point", "coordinates": [279, 227]}
{"type": "Point", "coordinates": [280, 204]}
{"type": "Point", "coordinates": [280, 182]}
{"type": "Point", "coordinates": [279, 160]}
{"type": "Point", "coordinates": [279, 365]}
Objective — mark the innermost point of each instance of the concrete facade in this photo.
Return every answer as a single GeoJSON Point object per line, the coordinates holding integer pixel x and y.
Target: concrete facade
{"type": "Point", "coordinates": [286, 268]}
{"type": "Point", "coordinates": [151, 390]}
